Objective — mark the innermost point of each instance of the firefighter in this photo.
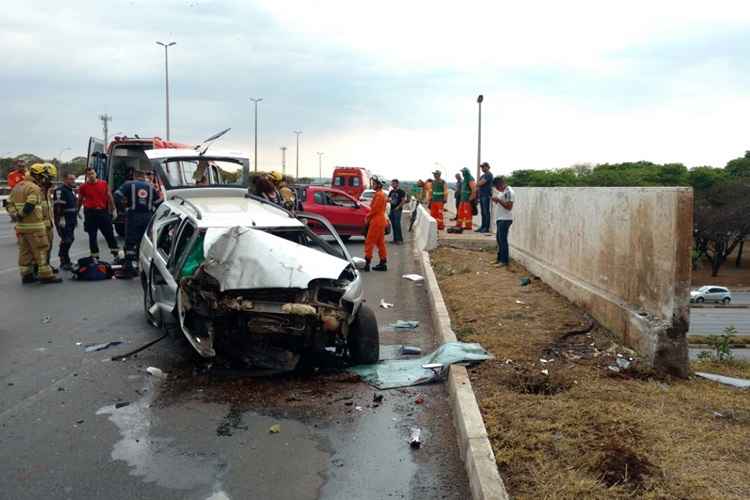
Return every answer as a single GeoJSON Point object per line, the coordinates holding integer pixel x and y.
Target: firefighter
{"type": "Point", "coordinates": [141, 199]}
{"type": "Point", "coordinates": [376, 222]}
{"type": "Point", "coordinates": [64, 211]}
{"type": "Point", "coordinates": [25, 209]}
{"type": "Point", "coordinates": [438, 191]}
{"type": "Point", "coordinates": [47, 212]}
{"type": "Point", "coordinates": [288, 199]}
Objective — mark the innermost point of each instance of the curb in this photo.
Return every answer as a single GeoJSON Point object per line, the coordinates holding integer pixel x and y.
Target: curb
{"type": "Point", "coordinates": [720, 306]}
{"type": "Point", "coordinates": [473, 443]}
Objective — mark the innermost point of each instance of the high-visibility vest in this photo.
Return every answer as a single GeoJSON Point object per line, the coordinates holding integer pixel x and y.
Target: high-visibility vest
{"type": "Point", "coordinates": [27, 192]}
{"type": "Point", "coordinates": [438, 190]}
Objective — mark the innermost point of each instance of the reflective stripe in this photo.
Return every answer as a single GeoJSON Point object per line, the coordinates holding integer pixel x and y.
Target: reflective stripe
{"type": "Point", "coordinates": [132, 196]}
{"type": "Point", "coordinates": [70, 210]}
{"type": "Point", "coordinates": [23, 226]}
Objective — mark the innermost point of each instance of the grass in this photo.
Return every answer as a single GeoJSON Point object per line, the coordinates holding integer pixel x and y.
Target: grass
{"type": "Point", "coordinates": [583, 430]}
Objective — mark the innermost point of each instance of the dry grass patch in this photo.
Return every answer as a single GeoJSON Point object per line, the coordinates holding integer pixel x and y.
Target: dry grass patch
{"type": "Point", "coordinates": [572, 427]}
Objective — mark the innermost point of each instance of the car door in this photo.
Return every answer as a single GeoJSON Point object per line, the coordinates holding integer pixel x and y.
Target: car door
{"type": "Point", "coordinates": [163, 284]}
{"type": "Point", "coordinates": [714, 294]}
{"type": "Point", "coordinates": [148, 242]}
{"type": "Point", "coordinates": [350, 218]}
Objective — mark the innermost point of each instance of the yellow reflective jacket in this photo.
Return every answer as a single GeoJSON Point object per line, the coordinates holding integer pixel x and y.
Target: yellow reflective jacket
{"type": "Point", "coordinates": [25, 192]}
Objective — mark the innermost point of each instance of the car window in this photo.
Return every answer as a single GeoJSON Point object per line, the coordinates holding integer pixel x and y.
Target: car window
{"type": "Point", "coordinates": [354, 181]}
{"type": "Point", "coordinates": [161, 213]}
{"type": "Point", "coordinates": [716, 290]}
{"type": "Point", "coordinates": [186, 234]}
{"type": "Point", "coordinates": [339, 180]}
{"type": "Point", "coordinates": [342, 200]}
{"type": "Point", "coordinates": [166, 236]}
{"type": "Point", "coordinates": [320, 198]}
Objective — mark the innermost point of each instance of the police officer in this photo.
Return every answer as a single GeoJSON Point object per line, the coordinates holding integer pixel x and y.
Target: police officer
{"type": "Point", "coordinates": [140, 198]}
{"type": "Point", "coordinates": [65, 218]}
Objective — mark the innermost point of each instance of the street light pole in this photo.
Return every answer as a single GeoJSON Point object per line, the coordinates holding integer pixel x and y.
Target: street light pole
{"type": "Point", "coordinates": [256, 101]}
{"type": "Point", "coordinates": [320, 164]}
{"type": "Point", "coordinates": [166, 75]}
{"type": "Point", "coordinates": [283, 160]}
{"type": "Point", "coordinates": [479, 134]}
{"type": "Point", "coordinates": [298, 132]}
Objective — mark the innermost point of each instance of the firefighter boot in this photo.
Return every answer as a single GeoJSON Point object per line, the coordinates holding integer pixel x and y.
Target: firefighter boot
{"type": "Point", "coordinates": [50, 280]}
{"type": "Point", "coordinates": [367, 265]}
{"type": "Point", "coordinates": [28, 278]}
{"type": "Point", "coordinates": [382, 266]}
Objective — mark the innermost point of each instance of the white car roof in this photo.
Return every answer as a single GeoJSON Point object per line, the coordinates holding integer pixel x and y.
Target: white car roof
{"type": "Point", "coordinates": [156, 154]}
{"type": "Point", "coordinates": [228, 207]}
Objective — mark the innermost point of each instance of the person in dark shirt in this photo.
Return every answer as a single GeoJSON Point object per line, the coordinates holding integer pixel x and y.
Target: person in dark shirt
{"type": "Point", "coordinates": [457, 196]}
{"type": "Point", "coordinates": [397, 199]}
{"type": "Point", "coordinates": [141, 199]}
{"type": "Point", "coordinates": [64, 211]}
{"type": "Point", "coordinates": [485, 194]}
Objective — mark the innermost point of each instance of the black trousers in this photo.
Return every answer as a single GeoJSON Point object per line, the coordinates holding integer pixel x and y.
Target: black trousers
{"type": "Point", "coordinates": [67, 236]}
{"type": "Point", "coordinates": [134, 231]}
{"type": "Point", "coordinates": [95, 221]}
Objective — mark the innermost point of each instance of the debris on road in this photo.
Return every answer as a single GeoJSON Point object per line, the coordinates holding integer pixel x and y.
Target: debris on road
{"type": "Point", "coordinates": [394, 373]}
{"type": "Point", "coordinates": [520, 302]}
{"type": "Point", "coordinates": [274, 429]}
{"type": "Point", "coordinates": [524, 281]}
{"type": "Point", "coordinates": [101, 347]}
{"type": "Point", "coordinates": [121, 404]}
{"type": "Point", "coordinates": [413, 277]}
{"type": "Point", "coordinates": [623, 363]}
{"type": "Point", "coordinates": [385, 305]}
{"type": "Point", "coordinates": [377, 398]}
{"type": "Point", "coordinates": [156, 372]}
{"type": "Point", "coordinates": [419, 400]}
{"type": "Point", "coordinates": [734, 382]}
{"type": "Point", "coordinates": [405, 325]}
{"type": "Point", "coordinates": [46, 319]}
{"type": "Point", "coordinates": [414, 437]}
{"type": "Point", "coordinates": [410, 350]}
{"type": "Point", "coordinates": [545, 372]}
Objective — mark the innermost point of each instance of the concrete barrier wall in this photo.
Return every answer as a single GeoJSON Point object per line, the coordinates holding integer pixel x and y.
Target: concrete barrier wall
{"type": "Point", "coordinates": [623, 254]}
{"type": "Point", "coordinates": [425, 229]}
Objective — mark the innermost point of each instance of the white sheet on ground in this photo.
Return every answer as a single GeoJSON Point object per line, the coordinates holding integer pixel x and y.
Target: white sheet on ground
{"type": "Point", "coordinates": [244, 258]}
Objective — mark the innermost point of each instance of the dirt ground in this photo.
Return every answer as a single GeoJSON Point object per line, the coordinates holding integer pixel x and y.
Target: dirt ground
{"type": "Point", "coordinates": [729, 275]}
{"type": "Point", "coordinates": [571, 414]}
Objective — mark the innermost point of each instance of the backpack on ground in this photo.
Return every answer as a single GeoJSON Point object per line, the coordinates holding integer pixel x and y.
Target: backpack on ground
{"type": "Point", "coordinates": [455, 230]}
{"type": "Point", "coordinates": [91, 269]}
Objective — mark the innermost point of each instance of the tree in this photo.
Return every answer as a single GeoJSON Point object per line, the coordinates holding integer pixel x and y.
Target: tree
{"type": "Point", "coordinates": [721, 220]}
{"type": "Point", "coordinates": [739, 167]}
{"type": "Point", "coordinates": [704, 178]}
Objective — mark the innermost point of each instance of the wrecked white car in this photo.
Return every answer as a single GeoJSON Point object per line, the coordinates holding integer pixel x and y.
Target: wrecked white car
{"type": "Point", "coordinates": [240, 276]}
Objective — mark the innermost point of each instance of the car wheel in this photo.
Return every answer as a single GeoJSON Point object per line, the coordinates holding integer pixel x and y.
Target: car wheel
{"type": "Point", "coordinates": [154, 318]}
{"type": "Point", "coordinates": [364, 338]}
{"type": "Point", "coordinates": [700, 300]}
{"type": "Point", "coordinates": [726, 300]}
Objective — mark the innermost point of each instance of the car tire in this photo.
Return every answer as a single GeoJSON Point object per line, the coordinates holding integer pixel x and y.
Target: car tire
{"type": "Point", "coordinates": [700, 300]}
{"type": "Point", "coordinates": [726, 300]}
{"type": "Point", "coordinates": [154, 320]}
{"type": "Point", "coordinates": [364, 338]}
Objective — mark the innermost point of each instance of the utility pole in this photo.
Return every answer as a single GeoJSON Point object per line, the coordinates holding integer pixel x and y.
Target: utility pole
{"type": "Point", "coordinates": [255, 114]}
{"type": "Point", "coordinates": [105, 118]}
{"type": "Point", "coordinates": [166, 75]}
{"type": "Point", "coordinates": [479, 135]}
{"type": "Point", "coordinates": [320, 164]}
{"type": "Point", "coordinates": [298, 132]}
{"type": "Point", "coordinates": [283, 160]}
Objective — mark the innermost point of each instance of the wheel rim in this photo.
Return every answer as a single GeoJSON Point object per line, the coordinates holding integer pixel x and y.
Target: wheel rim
{"type": "Point", "coordinates": [148, 303]}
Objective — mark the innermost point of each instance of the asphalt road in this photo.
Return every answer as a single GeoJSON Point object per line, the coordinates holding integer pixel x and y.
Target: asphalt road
{"type": "Point", "coordinates": [199, 435]}
{"type": "Point", "coordinates": [713, 321]}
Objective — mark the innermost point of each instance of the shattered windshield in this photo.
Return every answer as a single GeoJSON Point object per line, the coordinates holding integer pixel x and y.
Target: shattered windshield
{"type": "Point", "coordinates": [199, 172]}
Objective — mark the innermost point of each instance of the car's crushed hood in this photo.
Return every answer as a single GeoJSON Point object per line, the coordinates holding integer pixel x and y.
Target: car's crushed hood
{"type": "Point", "coordinates": [242, 258]}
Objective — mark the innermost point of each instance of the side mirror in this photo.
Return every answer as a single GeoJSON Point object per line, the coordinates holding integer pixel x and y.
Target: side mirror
{"type": "Point", "coordinates": [359, 262]}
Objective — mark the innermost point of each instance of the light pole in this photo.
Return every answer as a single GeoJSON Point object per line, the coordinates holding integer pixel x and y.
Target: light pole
{"type": "Point", "coordinates": [479, 134]}
{"type": "Point", "coordinates": [166, 75]}
{"type": "Point", "coordinates": [298, 132]}
{"type": "Point", "coordinates": [255, 114]}
{"type": "Point", "coordinates": [105, 118]}
{"type": "Point", "coordinates": [283, 160]}
{"type": "Point", "coordinates": [320, 164]}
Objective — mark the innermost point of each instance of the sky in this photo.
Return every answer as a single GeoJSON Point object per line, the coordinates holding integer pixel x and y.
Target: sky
{"type": "Point", "coordinates": [389, 85]}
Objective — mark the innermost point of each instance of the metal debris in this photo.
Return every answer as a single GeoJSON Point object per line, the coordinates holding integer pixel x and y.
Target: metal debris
{"type": "Point", "coordinates": [101, 347]}
{"type": "Point", "coordinates": [121, 404]}
{"type": "Point", "coordinates": [405, 325]}
{"type": "Point", "coordinates": [410, 350]}
{"type": "Point", "coordinates": [274, 429]}
{"type": "Point", "coordinates": [734, 382]}
{"type": "Point", "coordinates": [156, 372]}
{"type": "Point", "coordinates": [385, 305]}
{"type": "Point", "coordinates": [414, 437]}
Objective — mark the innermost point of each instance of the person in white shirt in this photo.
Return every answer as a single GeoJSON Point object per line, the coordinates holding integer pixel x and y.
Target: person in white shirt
{"type": "Point", "coordinates": [503, 198]}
